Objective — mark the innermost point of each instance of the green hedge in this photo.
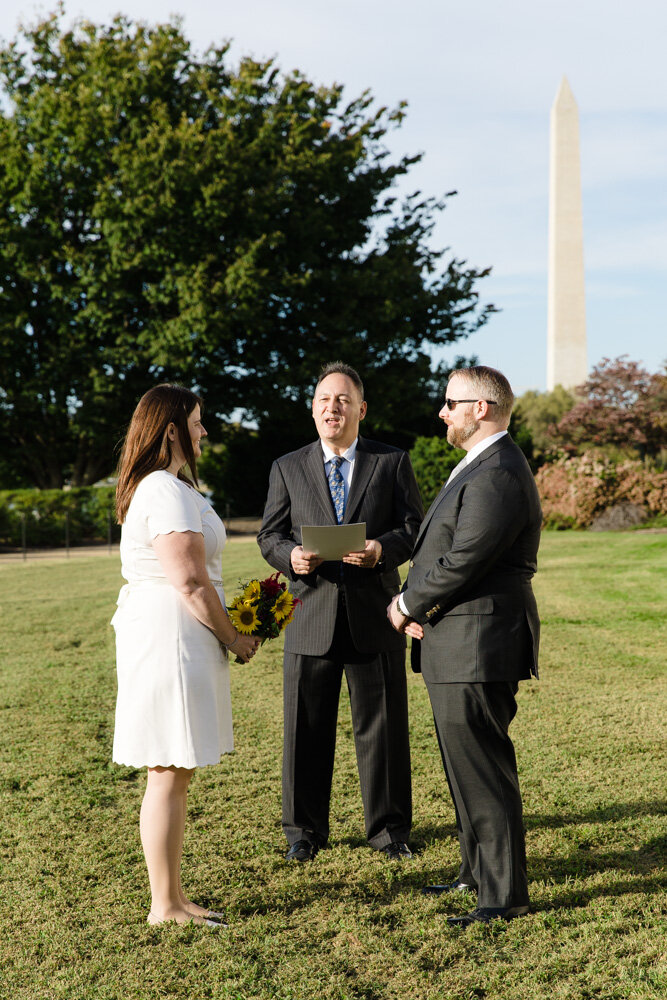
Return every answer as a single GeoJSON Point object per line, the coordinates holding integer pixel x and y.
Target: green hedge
{"type": "Point", "coordinates": [433, 459]}
{"type": "Point", "coordinates": [45, 513]}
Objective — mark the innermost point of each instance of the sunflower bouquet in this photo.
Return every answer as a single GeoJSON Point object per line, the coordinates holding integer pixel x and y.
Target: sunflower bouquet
{"type": "Point", "coordinates": [263, 608]}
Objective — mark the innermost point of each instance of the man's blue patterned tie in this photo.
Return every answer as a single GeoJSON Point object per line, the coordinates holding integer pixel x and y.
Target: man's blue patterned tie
{"type": "Point", "coordinates": [337, 487]}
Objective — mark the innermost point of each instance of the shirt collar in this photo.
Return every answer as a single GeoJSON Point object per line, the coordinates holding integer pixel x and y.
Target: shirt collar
{"type": "Point", "coordinates": [348, 455]}
{"type": "Point", "coordinates": [483, 445]}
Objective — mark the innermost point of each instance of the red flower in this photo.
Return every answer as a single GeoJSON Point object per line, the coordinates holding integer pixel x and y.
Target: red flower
{"type": "Point", "coordinates": [271, 586]}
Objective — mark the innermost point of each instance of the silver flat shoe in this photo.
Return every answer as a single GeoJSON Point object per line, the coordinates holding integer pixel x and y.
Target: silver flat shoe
{"type": "Point", "coordinates": [204, 922]}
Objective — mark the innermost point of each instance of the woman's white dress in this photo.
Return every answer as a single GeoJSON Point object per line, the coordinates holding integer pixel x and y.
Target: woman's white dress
{"type": "Point", "coordinates": [174, 704]}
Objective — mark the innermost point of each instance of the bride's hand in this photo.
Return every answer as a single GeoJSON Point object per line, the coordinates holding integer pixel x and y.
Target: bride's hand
{"type": "Point", "coordinates": [244, 646]}
{"type": "Point", "coordinates": [414, 629]}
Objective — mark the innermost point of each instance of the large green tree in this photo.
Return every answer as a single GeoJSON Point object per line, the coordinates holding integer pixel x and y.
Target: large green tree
{"type": "Point", "coordinates": [164, 216]}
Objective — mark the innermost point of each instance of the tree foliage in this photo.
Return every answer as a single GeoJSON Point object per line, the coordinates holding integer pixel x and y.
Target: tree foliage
{"type": "Point", "coordinates": [537, 414]}
{"type": "Point", "coordinates": [621, 406]}
{"type": "Point", "coordinates": [47, 518]}
{"type": "Point", "coordinates": [433, 459]}
{"type": "Point", "coordinates": [164, 216]}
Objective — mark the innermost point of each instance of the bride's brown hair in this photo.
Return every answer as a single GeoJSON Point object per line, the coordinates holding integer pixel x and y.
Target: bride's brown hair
{"type": "Point", "coordinates": [147, 447]}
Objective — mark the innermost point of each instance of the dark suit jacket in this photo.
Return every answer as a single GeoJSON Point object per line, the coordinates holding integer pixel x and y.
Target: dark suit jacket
{"type": "Point", "coordinates": [469, 583]}
{"type": "Point", "coordinates": [384, 494]}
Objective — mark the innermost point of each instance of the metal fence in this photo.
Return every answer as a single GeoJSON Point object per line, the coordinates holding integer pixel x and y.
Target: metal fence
{"type": "Point", "coordinates": [236, 526]}
{"type": "Point", "coordinates": [63, 524]}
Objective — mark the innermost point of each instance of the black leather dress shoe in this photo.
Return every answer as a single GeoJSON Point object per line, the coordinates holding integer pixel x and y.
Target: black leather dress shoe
{"type": "Point", "coordinates": [396, 850]}
{"type": "Point", "coordinates": [487, 914]}
{"type": "Point", "coordinates": [302, 850]}
{"type": "Point", "coordinates": [438, 890]}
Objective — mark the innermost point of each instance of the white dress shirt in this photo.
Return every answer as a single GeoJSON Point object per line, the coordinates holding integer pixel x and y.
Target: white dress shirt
{"type": "Point", "coordinates": [346, 466]}
{"type": "Point", "coordinates": [475, 451]}
{"type": "Point", "coordinates": [470, 457]}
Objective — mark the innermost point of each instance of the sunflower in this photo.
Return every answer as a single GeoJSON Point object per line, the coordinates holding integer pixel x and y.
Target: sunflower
{"type": "Point", "coordinates": [283, 607]}
{"type": "Point", "coordinates": [252, 592]}
{"type": "Point", "coordinates": [244, 617]}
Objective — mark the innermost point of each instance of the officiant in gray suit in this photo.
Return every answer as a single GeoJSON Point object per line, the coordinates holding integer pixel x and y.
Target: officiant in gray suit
{"type": "Point", "coordinates": [469, 606]}
{"type": "Point", "coordinates": [341, 626]}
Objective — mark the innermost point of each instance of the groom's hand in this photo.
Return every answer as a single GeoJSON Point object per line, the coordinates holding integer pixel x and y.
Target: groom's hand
{"type": "Point", "coordinates": [304, 562]}
{"type": "Point", "coordinates": [403, 624]}
{"type": "Point", "coordinates": [396, 616]}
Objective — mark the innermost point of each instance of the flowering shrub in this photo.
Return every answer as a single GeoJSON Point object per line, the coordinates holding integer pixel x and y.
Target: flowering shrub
{"type": "Point", "coordinates": [574, 490]}
{"type": "Point", "coordinates": [620, 405]}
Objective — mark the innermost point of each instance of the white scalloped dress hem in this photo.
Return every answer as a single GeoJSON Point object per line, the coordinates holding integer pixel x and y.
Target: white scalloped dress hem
{"type": "Point", "coordinates": [174, 702]}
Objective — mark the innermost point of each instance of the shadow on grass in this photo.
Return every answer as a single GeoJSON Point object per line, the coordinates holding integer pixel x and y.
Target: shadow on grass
{"type": "Point", "coordinates": [312, 884]}
{"type": "Point", "coordinates": [422, 836]}
{"type": "Point", "coordinates": [585, 860]}
{"type": "Point", "coordinates": [580, 896]}
{"type": "Point", "coordinates": [601, 814]}
{"type": "Point", "coordinates": [364, 892]}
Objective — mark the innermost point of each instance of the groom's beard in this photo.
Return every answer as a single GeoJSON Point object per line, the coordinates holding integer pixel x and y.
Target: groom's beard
{"type": "Point", "coordinates": [458, 435]}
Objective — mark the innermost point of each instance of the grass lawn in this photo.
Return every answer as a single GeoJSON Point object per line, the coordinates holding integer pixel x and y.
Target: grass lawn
{"type": "Point", "coordinates": [590, 737]}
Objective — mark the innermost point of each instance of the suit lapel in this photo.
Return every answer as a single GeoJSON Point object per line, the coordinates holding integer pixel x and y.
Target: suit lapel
{"type": "Point", "coordinates": [428, 518]}
{"type": "Point", "coordinates": [314, 469]}
{"type": "Point", "coordinates": [457, 480]}
{"type": "Point", "coordinates": [364, 466]}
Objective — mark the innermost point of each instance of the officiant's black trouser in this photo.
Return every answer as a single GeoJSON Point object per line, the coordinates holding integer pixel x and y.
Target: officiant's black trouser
{"type": "Point", "coordinates": [378, 701]}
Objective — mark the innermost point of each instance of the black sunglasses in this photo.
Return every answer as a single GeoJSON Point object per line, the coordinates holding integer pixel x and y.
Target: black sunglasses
{"type": "Point", "coordinates": [451, 403]}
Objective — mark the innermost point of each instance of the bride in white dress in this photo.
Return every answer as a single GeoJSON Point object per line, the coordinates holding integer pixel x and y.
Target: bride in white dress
{"type": "Point", "coordinates": [173, 711]}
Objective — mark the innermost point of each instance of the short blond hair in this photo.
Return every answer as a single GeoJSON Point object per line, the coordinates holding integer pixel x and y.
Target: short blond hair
{"type": "Point", "coordinates": [489, 384]}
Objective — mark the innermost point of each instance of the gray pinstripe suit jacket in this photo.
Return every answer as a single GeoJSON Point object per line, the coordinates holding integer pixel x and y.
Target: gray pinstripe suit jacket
{"type": "Point", "coordinates": [384, 494]}
{"type": "Point", "coordinates": [470, 574]}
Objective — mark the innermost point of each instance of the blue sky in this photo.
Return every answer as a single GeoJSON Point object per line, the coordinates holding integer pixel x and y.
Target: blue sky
{"type": "Point", "coordinates": [480, 79]}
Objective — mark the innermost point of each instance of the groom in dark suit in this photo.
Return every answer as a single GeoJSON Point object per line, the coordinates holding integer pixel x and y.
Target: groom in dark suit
{"type": "Point", "coordinates": [341, 626]}
{"type": "Point", "coordinates": [469, 606]}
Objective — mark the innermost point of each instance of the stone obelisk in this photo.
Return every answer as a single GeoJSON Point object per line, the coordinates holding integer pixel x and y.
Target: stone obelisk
{"type": "Point", "coordinates": [567, 363]}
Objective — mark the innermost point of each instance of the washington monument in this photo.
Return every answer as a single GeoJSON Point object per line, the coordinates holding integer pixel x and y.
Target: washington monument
{"type": "Point", "coordinates": [567, 363]}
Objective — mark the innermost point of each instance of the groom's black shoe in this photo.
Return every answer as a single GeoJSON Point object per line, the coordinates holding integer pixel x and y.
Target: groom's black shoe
{"type": "Point", "coordinates": [438, 890]}
{"type": "Point", "coordinates": [396, 850]}
{"type": "Point", "coordinates": [302, 850]}
{"type": "Point", "coordinates": [487, 914]}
